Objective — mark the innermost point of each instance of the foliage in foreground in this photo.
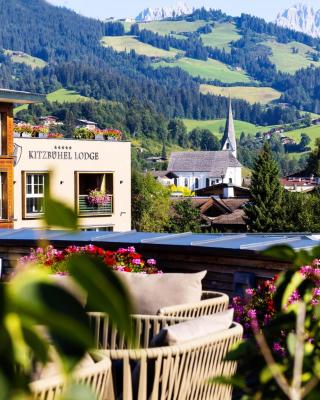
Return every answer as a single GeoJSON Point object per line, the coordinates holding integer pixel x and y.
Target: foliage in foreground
{"type": "Point", "coordinates": [33, 298]}
{"type": "Point", "coordinates": [281, 360]}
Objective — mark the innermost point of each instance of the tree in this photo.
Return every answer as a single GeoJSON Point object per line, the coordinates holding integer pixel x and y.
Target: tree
{"type": "Point", "coordinates": [265, 213]}
{"type": "Point", "coordinates": [177, 132]}
{"type": "Point", "coordinates": [150, 203]}
{"type": "Point", "coordinates": [313, 163]}
{"type": "Point", "coordinates": [304, 141]}
{"type": "Point", "coordinates": [185, 217]}
{"type": "Point", "coordinates": [164, 151]}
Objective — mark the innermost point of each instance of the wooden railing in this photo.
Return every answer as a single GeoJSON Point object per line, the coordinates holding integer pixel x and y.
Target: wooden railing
{"type": "Point", "coordinates": [85, 209]}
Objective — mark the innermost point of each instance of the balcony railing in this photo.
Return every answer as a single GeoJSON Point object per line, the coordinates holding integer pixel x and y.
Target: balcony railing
{"type": "Point", "coordinates": [85, 209]}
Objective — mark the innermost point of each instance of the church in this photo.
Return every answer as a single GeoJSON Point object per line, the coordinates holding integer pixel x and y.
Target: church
{"type": "Point", "coordinates": [200, 169]}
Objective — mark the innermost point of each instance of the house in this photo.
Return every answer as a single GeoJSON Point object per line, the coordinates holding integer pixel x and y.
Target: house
{"type": "Point", "coordinates": [200, 169]}
{"type": "Point", "coordinates": [300, 184]}
{"type": "Point", "coordinates": [166, 178]}
{"type": "Point", "coordinates": [224, 190]}
{"type": "Point", "coordinates": [72, 169]}
{"type": "Point", "coordinates": [83, 123]}
{"type": "Point", "coordinates": [49, 120]}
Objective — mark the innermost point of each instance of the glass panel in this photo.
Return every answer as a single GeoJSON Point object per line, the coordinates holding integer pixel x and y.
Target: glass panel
{"type": "Point", "coordinates": [34, 205]}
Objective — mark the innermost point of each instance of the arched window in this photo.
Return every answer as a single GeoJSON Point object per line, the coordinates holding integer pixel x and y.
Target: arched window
{"type": "Point", "coordinates": [207, 182]}
{"type": "Point", "coordinates": [175, 181]}
{"type": "Point", "coordinates": [186, 182]}
{"type": "Point", "coordinates": [196, 183]}
{"type": "Point", "coordinates": [228, 146]}
{"type": "Point", "coordinates": [230, 180]}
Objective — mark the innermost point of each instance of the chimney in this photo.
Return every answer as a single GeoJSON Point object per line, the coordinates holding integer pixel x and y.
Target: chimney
{"type": "Point", "coordinates": [228, 191]}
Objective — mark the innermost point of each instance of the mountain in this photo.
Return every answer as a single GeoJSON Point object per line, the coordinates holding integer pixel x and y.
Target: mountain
{"type": "Point", "coordinates": [157, 14]}
{"type": "Point", "coordinates": [302, 18]}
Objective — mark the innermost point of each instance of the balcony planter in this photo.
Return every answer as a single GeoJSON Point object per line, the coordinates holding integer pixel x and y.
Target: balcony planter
{"type": "Point", "coordinates": [98, 198]}
{"type": "Point", "coordinates": [17, 134]}
{"type": "Point", "coordinates": [42, 135]}
{"type": "Point", "coordinates": [25, 134]}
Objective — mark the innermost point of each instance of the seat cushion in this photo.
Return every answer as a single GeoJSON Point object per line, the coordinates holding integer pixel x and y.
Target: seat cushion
{"type": "Point", "coordinates": [151, 292]}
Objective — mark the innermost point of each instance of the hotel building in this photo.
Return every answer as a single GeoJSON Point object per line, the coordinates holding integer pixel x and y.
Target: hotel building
{"type": "Point", "coordinates": [72, 169]}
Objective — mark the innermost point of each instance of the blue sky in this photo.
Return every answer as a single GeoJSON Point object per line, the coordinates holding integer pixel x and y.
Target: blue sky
{"type": "Point", "coordinates": [267, 9]}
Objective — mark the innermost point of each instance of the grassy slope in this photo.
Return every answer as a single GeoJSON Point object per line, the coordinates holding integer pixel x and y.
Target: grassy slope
{"type": "Point", "coordinates": [221, 36]}
{"type": "Point", "coordinates": [215, 125]}
{"type": "Point", "coordinates": [168, 27]}
{"type": "Point", "coordinates": [253, 95]}
{"type": "Point", "coordinates": [285, 60]}
{"type": "Point", "coordinates": [313, 132]}
{"type": "Point", "coordinates": [61, 96]}
{"type": "Point", "coordinates": [128, 43]}
{"type": "Point", "coordinates": [23, 58]}
{"type": "Point", "coordinates": [210, 70]}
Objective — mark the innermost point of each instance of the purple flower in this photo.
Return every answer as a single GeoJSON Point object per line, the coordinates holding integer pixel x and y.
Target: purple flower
{"type": "Point", "coordinates": [278, 349]}
{"type": "Point", "coordinates": [295, 296]}
{"type": "Point", "coordinates": [136, 261]}
{"type": "Point", "coordinates": [252, 314]}
{"type": "Point", "coordinates": [250, 292]}
{"type": "Point", "coordinates": [152, 261]}
{"type": "Point", "coordinates": [131, 249]}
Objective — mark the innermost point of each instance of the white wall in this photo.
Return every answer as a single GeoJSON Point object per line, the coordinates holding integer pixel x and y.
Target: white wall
{"type": "Point", "coordinates": [231, 173]}
{"type": "Point", "coordinates": [102, 156]}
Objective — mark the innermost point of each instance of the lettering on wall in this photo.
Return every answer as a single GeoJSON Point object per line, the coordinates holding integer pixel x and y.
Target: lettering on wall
{"type": "Point", "coordinates": [62, 155]}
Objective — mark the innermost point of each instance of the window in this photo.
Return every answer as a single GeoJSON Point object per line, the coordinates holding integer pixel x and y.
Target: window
{"type": "Point", "coordinates": [207, 182]}
{"type": "Point", "coordinates": [98, 229]}
{"type": "Point", "coordinates": [217, 180]}
{"type": "Point", "coordinates": [228, 146]}
{"type": "Point", "coordinates": [175, 181]}
{"type": "Point", "coordinates": [196, 184]}
{"type": "Point", "coordinates": [34, 194]}
{"type": "Point", "coordinates": [3, 196]}
{"type": "Point", "coordinates": [230, 180]}
{"type": "Point", "coordinates": [100, 182]}
{"type": "Point", "coordinates": [186, 182]}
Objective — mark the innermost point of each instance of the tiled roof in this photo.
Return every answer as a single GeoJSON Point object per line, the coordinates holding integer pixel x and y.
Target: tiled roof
{"type": "Point", "coordinates": [214, 162]}
{"type": "Point", "coordinates": [235, 218]}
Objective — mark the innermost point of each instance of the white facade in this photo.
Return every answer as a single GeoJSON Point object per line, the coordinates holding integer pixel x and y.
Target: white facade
{"type": "Point", "coordinates": [200, 180]}
{"type": "Point", "coordinates": [75, 167]}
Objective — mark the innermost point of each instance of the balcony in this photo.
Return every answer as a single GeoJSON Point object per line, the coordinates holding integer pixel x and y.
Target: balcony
{"type": "Point", "coordinates": [84, 209]}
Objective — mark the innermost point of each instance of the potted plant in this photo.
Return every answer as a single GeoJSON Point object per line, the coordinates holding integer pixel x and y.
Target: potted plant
{"type": "Point", "coordinates": [52, 135]}
{"type": "Point", "coordinates": [23, 130]}
{"type": "Point", "coordinates": [40, 131]}
{"type": "Point", "coordinates": [83, 133]}
{"type": "Point", "coordinates": [98, 198]}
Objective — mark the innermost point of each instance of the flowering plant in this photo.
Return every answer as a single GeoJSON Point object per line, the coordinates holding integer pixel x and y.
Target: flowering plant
{"type": "Point", "coordinates": [98, 197]}
{"type": "Point", "coordinates": [55, 136]}
{"type": "Point", "coordinates": [31, 129]}
{"type": "Point", "coordinates": [124, 259]}
{"type": "Point", "coordinates": [109, 132]}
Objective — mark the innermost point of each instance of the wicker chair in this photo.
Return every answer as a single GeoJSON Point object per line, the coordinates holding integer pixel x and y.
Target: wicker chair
{"type": "Point", "coordinates": [211, 303]}
{"type": "Point", "coordinates": [179, 372]}
{"type": "Point", "coordinates": [97, 376]}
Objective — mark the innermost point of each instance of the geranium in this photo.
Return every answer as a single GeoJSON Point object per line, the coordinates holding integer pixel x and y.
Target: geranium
{"type": "Point", "coordinates": [258, 306]}
{"type": "Point", "coordinates": [55, 136]}
{"type": "Point", "coordinates": [109, 132]}
{"type": "Point", "coordinates": [98, 197]}
{"type": "Point", "coordinates": [124, 259]}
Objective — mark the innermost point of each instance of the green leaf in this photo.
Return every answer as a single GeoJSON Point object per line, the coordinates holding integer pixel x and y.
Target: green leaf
{"type": "Point", "coordinates": [39, 346]}
{"type": "Point", "coordinates": [234, 381]}
{"type": "Point", "coordinates": [281, 253]}
{"type": "Point", "coordinates": [45, 303]}
{"type": "Point", "coordinates": [291, 343]}
{"type": "Point", "coordinates": [106, 292]}
{"type": "Point", "coordinates": [294, 283]}
{"type": "Point", "coordinates": [58, 215]}
{"type": "Point", "coordinates": [266, 375]}
{"type": "Point", "coordinates": [78, 391]}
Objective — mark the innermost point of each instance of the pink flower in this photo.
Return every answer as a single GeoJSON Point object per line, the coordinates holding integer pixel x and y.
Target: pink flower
{"type": "Point", "coordinates": [136, 261]}
{"type": "Point", "coordinates": [250, 292]}
{"type": "Point", "coordinates": [131, 249]}
{"type": "Point", "coordinates": [151, 261]}
{"type": "Point", "coordinates": [252, 314]}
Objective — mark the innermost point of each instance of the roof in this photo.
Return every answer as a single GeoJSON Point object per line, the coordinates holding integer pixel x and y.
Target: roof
{"type": "Point", "coordinates": [214, 162]}
{"type": "Point", "coordinates": [248, 242]}
{"type": "Point", "coordinates": [235, 218]}
{"type": "Point", "coordinates": [164, 174]}
{"type": "Point", "coordinates": [219, 188]}
{"type": "Point", "coordinates": [84, 121]}
{"type": "Point", "coordinates": [18, 97]}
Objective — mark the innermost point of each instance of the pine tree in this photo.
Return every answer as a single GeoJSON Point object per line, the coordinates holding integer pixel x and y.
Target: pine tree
{"type": "Point", "coordinates": [164, 152]}
{"type": "Point", "coordinates": [265, 212]}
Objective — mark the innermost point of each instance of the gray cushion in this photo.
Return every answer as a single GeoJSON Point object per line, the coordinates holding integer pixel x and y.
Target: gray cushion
{"type": "Point", "coordinates": [149, 293]}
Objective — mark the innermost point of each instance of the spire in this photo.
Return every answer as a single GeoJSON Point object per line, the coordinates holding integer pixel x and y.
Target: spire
{"type": "Point", "coordinates": [228, 141]}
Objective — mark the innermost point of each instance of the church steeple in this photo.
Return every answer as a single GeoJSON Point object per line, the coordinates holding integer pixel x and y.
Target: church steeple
{"type": "Point", "coordinates": [228, 141]}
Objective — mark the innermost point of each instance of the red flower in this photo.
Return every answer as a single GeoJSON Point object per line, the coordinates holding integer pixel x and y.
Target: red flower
{"type": "Point", "coordinates": [127, 269]}
{"type": "Point", "coordinates": [109, 260]}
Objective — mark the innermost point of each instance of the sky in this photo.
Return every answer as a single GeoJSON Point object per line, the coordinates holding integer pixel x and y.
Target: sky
{"type": "Point", "coordinates": [130, 8]}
